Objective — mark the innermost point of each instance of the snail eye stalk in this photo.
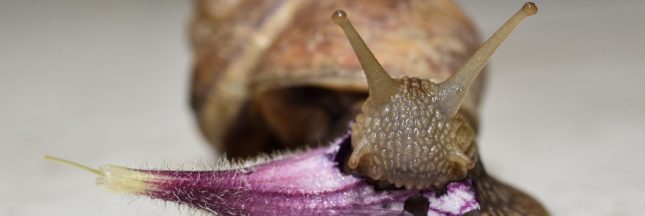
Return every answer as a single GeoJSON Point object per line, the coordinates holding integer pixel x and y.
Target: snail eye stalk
{"type": "Point", "coordinates": [453, 90]}
{"type": "Point", "coordinates": [380, 84]}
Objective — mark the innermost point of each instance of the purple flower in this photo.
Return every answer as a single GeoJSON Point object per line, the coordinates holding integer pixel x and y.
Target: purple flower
{"type": "Point", "coordinates": [306, 183]}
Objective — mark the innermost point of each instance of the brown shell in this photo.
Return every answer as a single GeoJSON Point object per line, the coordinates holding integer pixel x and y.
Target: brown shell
{"type": "Point", "coordinates": [259, 63]}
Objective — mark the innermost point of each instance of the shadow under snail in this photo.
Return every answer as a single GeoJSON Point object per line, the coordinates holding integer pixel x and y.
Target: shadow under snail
{"type": "Point", "coordinates": [417, 133]}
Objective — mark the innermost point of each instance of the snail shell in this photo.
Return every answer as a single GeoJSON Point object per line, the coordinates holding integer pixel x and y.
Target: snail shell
{"type": "Point", "coordinates": [278, 74]}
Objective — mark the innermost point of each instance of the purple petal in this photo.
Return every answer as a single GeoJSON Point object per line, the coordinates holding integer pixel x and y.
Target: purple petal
{"type": "Point", "coordinates": [306, 183]}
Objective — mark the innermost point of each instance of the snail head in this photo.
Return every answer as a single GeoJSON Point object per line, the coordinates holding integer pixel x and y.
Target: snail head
{"type": "Point", "coordinates": [410, 131]}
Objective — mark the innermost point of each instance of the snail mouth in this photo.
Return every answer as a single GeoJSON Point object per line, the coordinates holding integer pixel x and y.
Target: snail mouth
{"type": "Point", "coordinates": [292, 118]}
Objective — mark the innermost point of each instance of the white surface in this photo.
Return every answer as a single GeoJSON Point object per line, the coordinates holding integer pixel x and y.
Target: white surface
{"type": "Point", "coordinates": [106, 82]}
{"type": "Point", "coordinates": [97, 82]}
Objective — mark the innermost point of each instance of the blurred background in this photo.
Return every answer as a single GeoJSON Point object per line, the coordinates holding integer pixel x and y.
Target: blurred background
{"type": "Point", "coordinates": [107, 82]}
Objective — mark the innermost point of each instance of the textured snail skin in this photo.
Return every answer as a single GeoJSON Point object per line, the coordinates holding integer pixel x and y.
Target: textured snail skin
{"type": "Point", "coordinates": [408, 141]}
{"type": "Point", "coordinates": [499, 198]}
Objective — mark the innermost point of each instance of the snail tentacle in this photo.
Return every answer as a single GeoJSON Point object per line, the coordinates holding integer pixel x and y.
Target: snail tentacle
{"type": "Point", "coordinates": [454, 89]}
{"type": "Point", "coordinates": [380, 85]}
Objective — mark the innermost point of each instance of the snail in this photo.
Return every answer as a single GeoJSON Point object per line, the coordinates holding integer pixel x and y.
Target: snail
{"type": "Point", "coordinates": [272, 79]}
{"type": "Point", "coordinates": [410, 151]}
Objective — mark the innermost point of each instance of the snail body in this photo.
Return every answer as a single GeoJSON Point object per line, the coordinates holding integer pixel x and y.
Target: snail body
{"type": "Point", "coordinates": [413, 133]}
